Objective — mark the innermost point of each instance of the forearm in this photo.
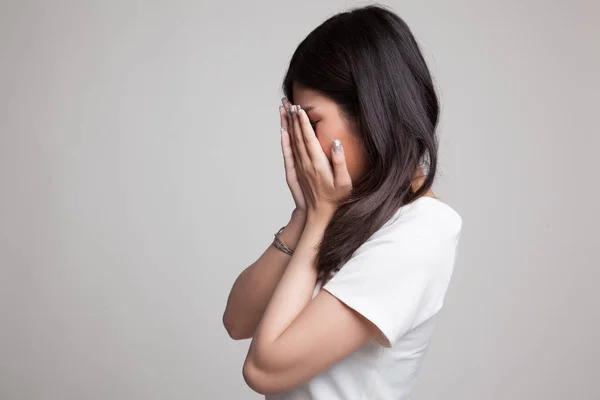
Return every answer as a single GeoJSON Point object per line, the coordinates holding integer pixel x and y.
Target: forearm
{"type": "Point", "coordinates": [253, 288]}
{"type": "Point", "coordinates": [292, 294]}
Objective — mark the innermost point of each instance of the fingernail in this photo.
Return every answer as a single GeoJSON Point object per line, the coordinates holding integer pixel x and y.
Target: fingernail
{"type": "Point", "coordinates": [289, 112]}
{"type": "Point", "coordinates": [337, 146]}
{"type": "Point", "coordinates": [283, 99]}
{"type": "Point", "coordinates": [280, 108]}
{"type": "Point", "coordinates": [293, 107]}
{"type": "Point", "coordinates": [281, 130]}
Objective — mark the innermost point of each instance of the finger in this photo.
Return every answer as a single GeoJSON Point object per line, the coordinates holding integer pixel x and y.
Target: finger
{"type": "Point", "coordinates": [292, 138]}
{"type": "Point", "coordinates": [290, 127]}
{"type": "Point", "coordinates": [313, 146]}
{"type": "Point", "coordinates": [341, 176]}
{"type": "Point", "coordinates": [286, 124]}
{"type": "Point", "coordinates": [288, 155]}
{"type": "Point", "coordinates": [286, 105]}
{"type": "Point", "coordinates": [299, 139]}
{"type": "Point", "coordinates": [283, 117]}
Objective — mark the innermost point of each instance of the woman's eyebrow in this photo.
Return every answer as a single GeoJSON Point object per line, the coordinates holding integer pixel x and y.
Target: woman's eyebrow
{"type": "Point", "coordinates": [308, 108]}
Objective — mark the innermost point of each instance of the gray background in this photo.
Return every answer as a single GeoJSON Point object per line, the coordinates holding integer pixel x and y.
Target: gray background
{"type": "Point", "coordinates": [141, 172]}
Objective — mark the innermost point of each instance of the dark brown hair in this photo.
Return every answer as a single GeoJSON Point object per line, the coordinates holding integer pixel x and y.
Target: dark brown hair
{"type": "Point", "coordinates": [367, 60]}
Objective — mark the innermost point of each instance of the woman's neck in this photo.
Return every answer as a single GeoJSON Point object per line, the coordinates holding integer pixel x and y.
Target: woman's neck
{"type": "Point", "coordinates": [418, 180]}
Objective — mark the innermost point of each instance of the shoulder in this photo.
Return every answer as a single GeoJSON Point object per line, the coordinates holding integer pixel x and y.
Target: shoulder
{"type": "Point", "coordinates": [399, 276]}
{"type": "Point", "coordinates": [425, 231]}
{"type": "Point", "coordinates": [427, 218]}
{"type": "Point", "coordinates": [420, 239]}
{"type": "Point", "coordinates": [421, 236]}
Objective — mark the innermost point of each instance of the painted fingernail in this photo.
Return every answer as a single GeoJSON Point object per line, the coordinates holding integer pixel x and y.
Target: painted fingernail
{"type": "Point", "coordinates": [293, 107]}
{"type": "Point", "coordinates": [337, 146]}
{"type": "Point", "coordinates": [282, 129]}
{"type": "Point", "coordinates": [289, 112]}
{"type": "Point", "coordinates": [283, 99]}
{"type": "Point", "coordinates": [280, 108]}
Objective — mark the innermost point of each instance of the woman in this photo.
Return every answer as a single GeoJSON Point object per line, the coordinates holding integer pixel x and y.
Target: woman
{"type": "Point", "coordinates": [343, 304]}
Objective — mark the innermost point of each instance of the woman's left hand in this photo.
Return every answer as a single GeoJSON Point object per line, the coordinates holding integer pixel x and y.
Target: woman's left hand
{"type": "Point", "coordinates": [323, 186]}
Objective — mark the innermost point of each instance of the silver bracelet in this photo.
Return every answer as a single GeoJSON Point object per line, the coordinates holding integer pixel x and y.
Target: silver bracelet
{"type": "Point", "coordinates": [280, 245]}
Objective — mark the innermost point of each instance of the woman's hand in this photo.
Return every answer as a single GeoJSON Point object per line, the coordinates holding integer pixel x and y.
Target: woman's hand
{"type": "Point", "coordinates": [323, 186]}
{"type": "Point", "coordinates": [291, 176]}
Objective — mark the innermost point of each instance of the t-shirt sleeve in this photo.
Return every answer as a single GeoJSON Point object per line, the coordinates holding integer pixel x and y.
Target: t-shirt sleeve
{"type": "Point", "coordinates": [392, 280]}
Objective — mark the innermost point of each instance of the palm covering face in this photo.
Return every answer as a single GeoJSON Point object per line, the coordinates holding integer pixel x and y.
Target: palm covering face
{"type": "Point", "coordinates": [316, 184]}
{"type": "Point", "coordinates": [291, 175]}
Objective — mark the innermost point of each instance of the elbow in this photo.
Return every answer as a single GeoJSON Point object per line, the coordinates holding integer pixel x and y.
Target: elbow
{"type": "Point", "coordinates": [258, 380]}
{"type": "Point", "coordinates": [268, 372]}
{"type": "Point", "coordinates": [234, 331]}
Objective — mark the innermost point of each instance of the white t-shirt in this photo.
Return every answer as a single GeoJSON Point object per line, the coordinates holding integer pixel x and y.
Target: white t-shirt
{"type": "Point", "coordinates": [397, 279]}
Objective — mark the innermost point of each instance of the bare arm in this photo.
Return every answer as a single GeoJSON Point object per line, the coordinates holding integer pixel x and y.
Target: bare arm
{"type": "Point", "coordinates": [253, 288]}
{"type": "Point", "coordinates": [299, 337]}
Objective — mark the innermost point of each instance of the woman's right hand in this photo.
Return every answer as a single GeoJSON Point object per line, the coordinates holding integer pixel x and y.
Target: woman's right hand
{"type": "Point", "coordinates": [288, 159]}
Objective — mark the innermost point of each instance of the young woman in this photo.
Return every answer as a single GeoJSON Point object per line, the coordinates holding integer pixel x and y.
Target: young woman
{"type": "Point", "coordinates": [344, 303]}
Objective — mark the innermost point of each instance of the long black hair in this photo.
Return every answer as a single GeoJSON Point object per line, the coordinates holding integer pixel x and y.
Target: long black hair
{"type": "Point", "coordinates": [367, 60]}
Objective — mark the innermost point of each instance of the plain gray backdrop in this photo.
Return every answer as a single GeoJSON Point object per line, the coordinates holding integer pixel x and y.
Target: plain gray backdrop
{"type": "Point", "coordinates": [141, 172]}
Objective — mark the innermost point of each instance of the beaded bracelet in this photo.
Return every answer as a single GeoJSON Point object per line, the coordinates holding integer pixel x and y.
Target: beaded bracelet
{"type": "Point", "coordinates": [280, 245]}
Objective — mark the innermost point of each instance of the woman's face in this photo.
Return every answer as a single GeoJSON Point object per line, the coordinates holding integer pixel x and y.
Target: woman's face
{"type": "Point", "coordinates": [328, 124]}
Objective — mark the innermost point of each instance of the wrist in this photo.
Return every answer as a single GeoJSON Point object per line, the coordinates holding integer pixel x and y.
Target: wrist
{"type": "Point", "coordinates": [293, 229]}
{"type": "Point", "coordinates": [299, 215]}
{"type": "Point", "coordinates": [320, 217]}
{"type": "Point", "coordinates": [317, 222]}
